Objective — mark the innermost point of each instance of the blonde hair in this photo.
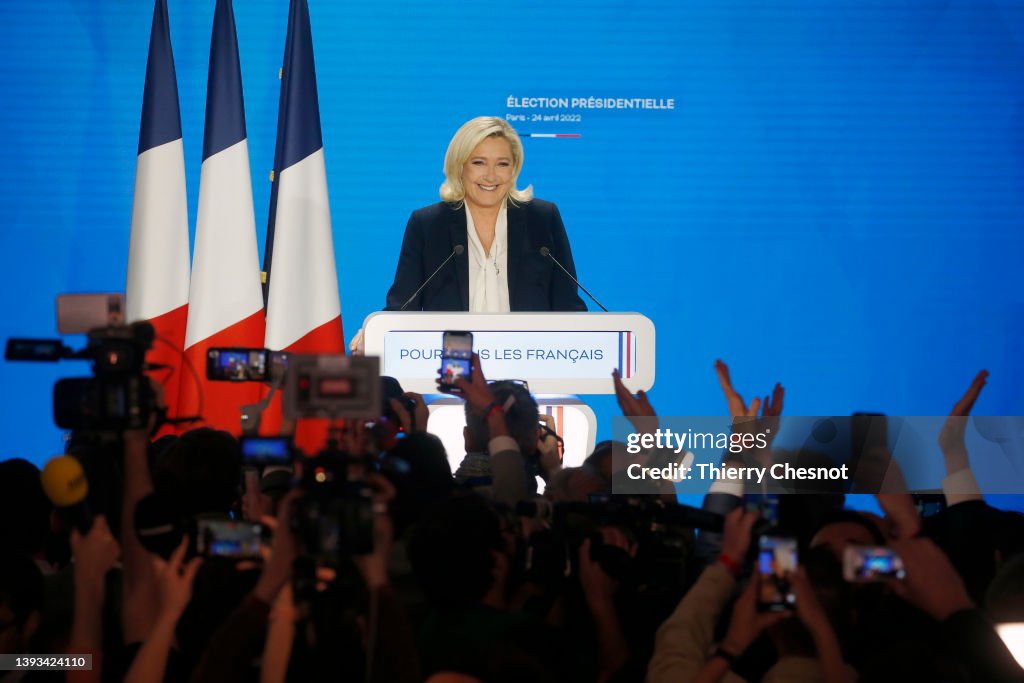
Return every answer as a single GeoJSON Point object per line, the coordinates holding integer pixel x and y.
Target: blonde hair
{"type": "Point", "coordinates": [466, 139]}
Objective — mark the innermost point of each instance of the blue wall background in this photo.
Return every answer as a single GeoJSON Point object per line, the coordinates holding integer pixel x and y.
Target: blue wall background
{"type": "Point", "coordinates": [834, 202]}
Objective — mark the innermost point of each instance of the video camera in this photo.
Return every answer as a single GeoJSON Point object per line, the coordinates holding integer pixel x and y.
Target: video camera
{"type": "Point", "coordinates": [334, 517]}
{"type": "Point", "coordinates": [117, 397]}
{"type": "Point", "coordinates": [663, 532]}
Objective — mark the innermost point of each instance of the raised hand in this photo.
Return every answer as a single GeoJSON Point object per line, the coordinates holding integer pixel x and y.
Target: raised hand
{"type": "Point", "coordinates": [747, 623]}
{"type": "Point", "coordinates": [176, 577]}
{"type": "Point", "coordinates": [374, 566]}
{"type": "Point", "coordinates": [477, 393]}
{"type": "Point", "coordinates": [95, 553]}
{"type": "Point", "coordinates": [637, 408]}
{"type": "Point", "coordinates": [901, 513]}
{"type": "Point", "coordinates": [277, 569]}
{"type": "Point", "coordinates": [598, 587]}
{"type": "Point", "coordinates": [951, 436]}
{"type": "Point", "coordinates": [549, 447]}
{"type": "Point", "coordinates": [417, 420]}
{"type": "Point", "coordinates": [808, 608]}
{"type": "Point", "coordinates": [736, 534]}
{"type": "Point", "coordinates": [738, 407]}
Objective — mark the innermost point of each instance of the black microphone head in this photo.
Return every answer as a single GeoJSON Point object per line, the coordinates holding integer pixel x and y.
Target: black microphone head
{"type": "Point", "coordinates": [459, 249]}
{"type": "Point", "coordinates": [544, 251]}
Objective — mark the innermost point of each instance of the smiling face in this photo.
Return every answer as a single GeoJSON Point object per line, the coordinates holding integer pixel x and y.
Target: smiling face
{"type": "Point", "coordinates": [487, 174]}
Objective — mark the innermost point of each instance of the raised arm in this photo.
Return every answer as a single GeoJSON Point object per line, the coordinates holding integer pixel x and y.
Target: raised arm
{"type": "Point", "coordinates": [959, 485]}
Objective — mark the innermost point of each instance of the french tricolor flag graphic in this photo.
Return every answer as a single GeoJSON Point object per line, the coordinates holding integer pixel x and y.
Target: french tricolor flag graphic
{"type": "Point", "coordinates": [225, 298]}
{"type": "Point", "coordinates": [303, 309]}
{"type": "Point", "coordinates": [157, 286]}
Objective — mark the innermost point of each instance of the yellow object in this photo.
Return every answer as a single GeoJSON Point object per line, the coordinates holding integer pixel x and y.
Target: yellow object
{"type": "Point", "coordinates": [64, 481]}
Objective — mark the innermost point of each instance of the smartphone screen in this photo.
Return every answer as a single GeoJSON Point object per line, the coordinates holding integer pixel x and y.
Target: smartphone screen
{"type": "Point", "coordinates": [266, 450]}
{"type": "Point", "coordinates": [862, 563]}
{"type": "Point", "coordinates": [929, 504]}
{"type": "Point", "coordinates": [776, 561]}
{"type": "Point", "coordinates": [236, 365]}
{"type": "Point", "coordinates": [456, 355]}
{"type": "Point", "coordinates": [228, 538]}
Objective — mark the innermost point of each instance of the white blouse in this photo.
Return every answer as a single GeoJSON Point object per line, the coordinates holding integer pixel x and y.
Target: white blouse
{"type": "Point", "coordinates": [488, 272]}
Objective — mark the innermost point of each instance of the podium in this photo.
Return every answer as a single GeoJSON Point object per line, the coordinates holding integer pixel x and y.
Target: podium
{"type": "Point", "coordinates": [556, 353]}
{"type": "Point", "coordinates": [559, 355]}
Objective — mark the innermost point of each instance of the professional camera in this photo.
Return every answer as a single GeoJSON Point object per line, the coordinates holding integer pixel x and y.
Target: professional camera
{"type": "Point", "coordinates": [334, 517]}
{"type": "Point", "coordinates": [663, 534]}
{"type": "Point", "coordinates": [117, 397]}
{"type": "Point", "coordinates": [332, 386]}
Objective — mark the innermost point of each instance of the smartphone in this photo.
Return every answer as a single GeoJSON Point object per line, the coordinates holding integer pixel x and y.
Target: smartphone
{"type": "Point", "coordinates": [237, 365]}
{"type": "Point", "coordinates": [767, 505]}
{"type": "Point", "coordinates": [776, 561]}
{"type": "Point", "coordinates": [456, 359]}
{"type": "Point", "coordinates": [867, 563]}
{"type": "Point", "coordinates": [929, 504]}
{"type": "Point", "coordinates": [260, 451]}
{"type": "Point", "coordinates": [228, 538]}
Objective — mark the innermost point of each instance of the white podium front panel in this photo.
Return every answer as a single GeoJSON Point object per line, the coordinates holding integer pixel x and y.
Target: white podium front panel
{"type": "Point", "coordinates": [575, 422]}
{"type": "Point", "coordinates": [556, 353]}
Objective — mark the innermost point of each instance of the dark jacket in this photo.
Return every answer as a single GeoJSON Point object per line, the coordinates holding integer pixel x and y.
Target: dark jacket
{"type": "Point", "coordinates": [535, 283]}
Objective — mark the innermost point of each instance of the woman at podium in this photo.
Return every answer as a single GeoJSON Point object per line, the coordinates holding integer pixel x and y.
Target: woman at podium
{"type": "Point", "coordinates": [488, 247]}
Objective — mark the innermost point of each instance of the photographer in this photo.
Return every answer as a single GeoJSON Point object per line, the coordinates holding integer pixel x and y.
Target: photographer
{"type": "Point", "coordinates": [685, 640]}
{"type": "Point", "coordinates": [501, 429]}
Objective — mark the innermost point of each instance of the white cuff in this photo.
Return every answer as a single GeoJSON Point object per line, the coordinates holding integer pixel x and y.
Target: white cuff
{"type": "Point", "coordinates": [502, 443]}
{"type": "Point", "coordinates": [731, 486]}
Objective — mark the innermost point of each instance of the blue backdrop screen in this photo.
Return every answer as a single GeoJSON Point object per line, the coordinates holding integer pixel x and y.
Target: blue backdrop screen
{"type": "Point", "coordinates": [826, 194]}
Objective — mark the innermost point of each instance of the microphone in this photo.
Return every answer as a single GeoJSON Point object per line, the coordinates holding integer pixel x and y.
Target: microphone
{"type": "Point", "coordinates": [457, 251]}
{"type": "Point", "coordinates": [65, 485]}
{"type": "Point", "coordinates": [544, 251]}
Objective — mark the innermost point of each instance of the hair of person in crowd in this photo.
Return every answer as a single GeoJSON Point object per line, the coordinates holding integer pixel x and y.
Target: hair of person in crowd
{"type": "Point", "coordinates": [453, 551]}
{"type": "Point", "coordinates": [200, 472]}
{"type": "Point", "coordinates": [522, 418]}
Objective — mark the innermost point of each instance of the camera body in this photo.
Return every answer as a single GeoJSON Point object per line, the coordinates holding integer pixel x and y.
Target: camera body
{"type": "Point", "coordinates": [332, 386]}
{"type": "Point", "coordinates": [334, 517]}
{"type": "Point", "coordinates": [117, 397]}
{"type": "Point", "coordinates": [663, 534]}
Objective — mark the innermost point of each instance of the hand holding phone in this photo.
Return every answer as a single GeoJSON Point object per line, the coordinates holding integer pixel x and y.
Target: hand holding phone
{"type": "Point", "coordinates": [776, 562]}
{"type": "Point", "coordinates": [228, 538]}
{"type": "Point", "coordinates": [866, 564]}
{"type": "Point", "coordinates": [766, 505]}
{"type": "Point", "coordinates": [456, 360]}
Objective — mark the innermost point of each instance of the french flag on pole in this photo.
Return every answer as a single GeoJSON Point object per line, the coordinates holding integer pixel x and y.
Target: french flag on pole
{"type": "Point", "coordinates": [157, 286]}
{"type": "Point", "coordinates": [225, 298]}
{"type": "Point", "coordinates": [303, 310]}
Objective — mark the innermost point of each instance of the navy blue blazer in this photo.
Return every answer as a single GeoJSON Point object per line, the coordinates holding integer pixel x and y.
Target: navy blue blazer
{"type": "Point", "coordinates": [534, 282]}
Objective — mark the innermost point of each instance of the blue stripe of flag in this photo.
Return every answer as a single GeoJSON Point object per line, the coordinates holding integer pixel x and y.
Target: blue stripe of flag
{"type": "Point", "coordinates": [161, 118]}
{"type": "Point", "coordinates": [621, 344]}
{"type": "Point", "coordinates": [298, 119]}
{"type": "Point", "coordinates": [225, 111]}
{"type": "Point", "coordinates": [298, 114]}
